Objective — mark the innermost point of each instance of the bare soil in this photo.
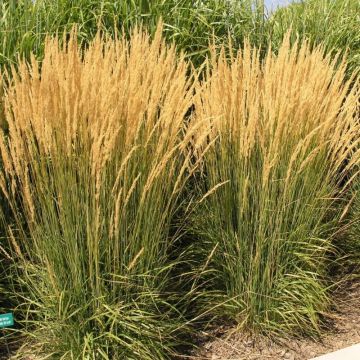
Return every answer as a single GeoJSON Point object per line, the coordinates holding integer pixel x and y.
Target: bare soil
{"type": "Point", "coordinates": [225, 344]}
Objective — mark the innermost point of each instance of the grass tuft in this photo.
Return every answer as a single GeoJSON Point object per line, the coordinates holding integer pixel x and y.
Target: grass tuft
{"type": "Point", "coordinates": [284, 140]}
{"type": "Point", "coordinates": [94, 161]}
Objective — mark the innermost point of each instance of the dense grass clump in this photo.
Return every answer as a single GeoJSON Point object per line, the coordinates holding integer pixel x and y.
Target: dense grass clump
{"type": "Point", "coordinates": [94, 160]}
{"type": "Point", "coordinates": [283, 141]}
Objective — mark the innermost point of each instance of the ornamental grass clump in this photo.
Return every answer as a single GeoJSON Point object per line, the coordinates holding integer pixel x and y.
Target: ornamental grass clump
{"type": "Point", "coordinates": [284, 140]}
{"type": "Point", "coordinates": [95, 158]}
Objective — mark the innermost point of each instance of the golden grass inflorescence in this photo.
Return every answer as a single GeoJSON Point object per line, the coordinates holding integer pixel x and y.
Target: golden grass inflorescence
{"type": "Point", "coordinates": [271, 103]}
{"type": "Point", "coordinates": [282, 150]}
{"type": "Point", "coordinates": [95, 157]}
{"type": "Point", "coordinates": [100, 144]}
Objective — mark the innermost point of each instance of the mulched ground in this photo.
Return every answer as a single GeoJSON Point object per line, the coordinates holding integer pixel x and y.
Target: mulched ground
{"type": "Point", "coordinates": [345, 331]}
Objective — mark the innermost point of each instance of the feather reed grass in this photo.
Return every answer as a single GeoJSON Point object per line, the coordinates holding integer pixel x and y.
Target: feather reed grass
{"type": "Point", "coordinates": [284, 141]}
{"type": "Point", "coordinates": [94, 162]}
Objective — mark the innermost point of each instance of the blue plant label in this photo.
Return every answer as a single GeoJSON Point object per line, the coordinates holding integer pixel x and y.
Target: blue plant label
{"type": "Point", "coordinates": [6, 320]}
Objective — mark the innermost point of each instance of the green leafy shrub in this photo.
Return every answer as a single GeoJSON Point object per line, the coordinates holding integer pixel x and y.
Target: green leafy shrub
{"type": "Point", "coordinates": [332, 23]}
{"type": "Point", "coordinates": [24, 23]}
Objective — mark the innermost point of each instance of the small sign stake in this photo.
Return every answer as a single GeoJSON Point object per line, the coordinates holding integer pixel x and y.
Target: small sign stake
{"type": "Point", "coordinates": [6, 320]}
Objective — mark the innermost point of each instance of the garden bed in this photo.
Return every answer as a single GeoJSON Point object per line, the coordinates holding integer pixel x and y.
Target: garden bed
{"type": "Point", "coordinates": [344, 330]}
